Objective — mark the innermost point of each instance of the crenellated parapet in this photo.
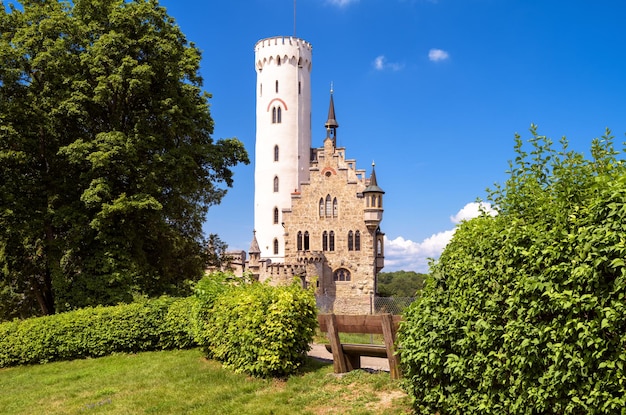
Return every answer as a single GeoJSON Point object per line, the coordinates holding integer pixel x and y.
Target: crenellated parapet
{"type": "Point", "coordinates": [281, 50]}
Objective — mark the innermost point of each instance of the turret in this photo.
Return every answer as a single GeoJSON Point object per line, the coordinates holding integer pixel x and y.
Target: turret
{"type": "Point", "coordinates": [373, 195]}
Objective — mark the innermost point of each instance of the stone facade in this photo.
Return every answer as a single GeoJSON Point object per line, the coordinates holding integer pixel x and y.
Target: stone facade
{"type": "Point", "coordinates": [327, 232]}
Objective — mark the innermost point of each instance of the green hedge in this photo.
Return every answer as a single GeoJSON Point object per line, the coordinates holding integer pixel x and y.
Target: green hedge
{"type": "Point", "coordinates": [261, 330]}
{"type": "Point", "coordinates": [251, 327]}
{"type": "Point", "coordinates": [92, 332]}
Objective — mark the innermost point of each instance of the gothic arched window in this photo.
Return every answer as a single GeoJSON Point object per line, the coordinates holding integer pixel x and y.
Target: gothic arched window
{"type": "Point", "coordinates": [328, 206]}
{"type": "Point", "coordinates": [335, 208]}
{"type": "Point", "coordinates": [275, 246]}
{"type": "Point", "coordinates": [350, 241]}
{"type": "Point", "coordinates": [275, 215]}
{"type": "Point", "coordinates": [331, 241]}
{"type": "Point", "coordinates": [325, 241]}
{"type": "Point", "coordinates": [277, 87]}
{"type": "Point", "coordinates": [276, 153]}
{"type": "Point", "coordinates": [357, 241]}
{"type": "Point", "coordinates": [299, 241]}
{"type": "Point", "coordinates": [321, 207]}
{"type": "Point", "coordinates": [275, 184]}
{"type": "Point", "coordinates": [278, 115]}
{"type": "Point", "coordinates": [306, 240]}
{"type": "Point", "coordinates": [273, 115]}
{"type": "Point", "coordinates": [342, 274]}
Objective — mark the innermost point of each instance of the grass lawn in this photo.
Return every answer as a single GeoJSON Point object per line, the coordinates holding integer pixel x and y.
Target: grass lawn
{"type": "Point", "coordinates": [184, 382]}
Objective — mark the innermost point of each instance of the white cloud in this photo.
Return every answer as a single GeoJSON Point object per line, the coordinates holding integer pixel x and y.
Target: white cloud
{"type": "Point", "coordinates": [472, 210]}
{"type": "Point", "coordinates": [437, 55]}
{"type": "Point", "coordinates": [341, 3]}
{"type": "Point", "coordinates": [380, 64]}
{"type": "Point", "coordinates": [404, 254]}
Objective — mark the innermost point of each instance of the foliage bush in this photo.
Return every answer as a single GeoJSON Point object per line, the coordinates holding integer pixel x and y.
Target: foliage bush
{"type": "Point", "coordinates": [525, 312]}
{"type": "Point", "coordinates": [99, 331]}
{"type": "Point", "coordinates": [262, 330]}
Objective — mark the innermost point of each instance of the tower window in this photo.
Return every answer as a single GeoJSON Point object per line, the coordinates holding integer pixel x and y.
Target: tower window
{"type": "Point", "coordinates": [277, 87]}
{"type": "Point", "coordinates": [331, 241]}
{"type": "Point", "coordinates": [278, 115]}
{"type": "Point", "coordinates": [306, 240]}
{"type": "Point", "coordinates": [342, 274]}
{"type": "Point", "coordinates": [275, 246]}
{"type": "Point", "coordinates": [321, 207]}
{"type": "Point", "coordinates": [299, 241]}
{"type": "Point", "coordinates": [273, 115]}
{"type": "Point", "coordinates": [350, 241]}
{"type": "Point", "coordinates": [275, 215]}
{"type": "Point", "coordinates": [328, 206]}
{"type": "Point", "coordinates": [275, 184]}
{"type": "Point", "coordinates": [357, 241]}
{"type": "Point", "coordinates": [325, 241]}
{"type": "Point", "coordinates": [379, 249]}
{"type": "Point", "coordinates": [335, 208]}
{"type": "Point", "coordinates": [278, 61]}
{"type": "Point", "coordinates": [276, 153]}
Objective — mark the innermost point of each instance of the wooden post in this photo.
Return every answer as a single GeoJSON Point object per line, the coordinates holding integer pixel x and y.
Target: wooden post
{"type": "Point", "coordinates": [339, 359]}
{"type": "Point", "coordinates": [389, 335]}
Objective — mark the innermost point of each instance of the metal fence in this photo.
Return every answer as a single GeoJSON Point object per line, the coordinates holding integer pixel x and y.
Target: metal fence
{"type": "Point", "coordinates": [378, 305]}
{"type": "Point", "coordinates": [393, 305]}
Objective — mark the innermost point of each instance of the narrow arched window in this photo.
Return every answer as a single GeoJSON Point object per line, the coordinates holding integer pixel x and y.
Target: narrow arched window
{"type": "Point", "coordinates": [373, 200]}
{"type": "Point", "coordinates": [278, 61]}
{"type": "Point", "coordinates": [325, 241]}
{"type": "Point", "coordinates": [275, 246]}
{"type": "Point", "coordinates": [275, 215]}
{"type": "Point", "coordinates": [350, 241]}
{"type": "Point", "coordinates": [273, 115]}
{"type": "Point", "coordinates": [306, 240]}
{"type": "Point", "coordinates": [321, 207]}
{"type": "Point", "coordinates": [379, 249]}
{"type": "Point", "coordinates": [275, 184]}
{"type": "Point", "coordinates": [335, 208]}
{"type": "Point", "coordinates": [357, 241]}
{"type": "Point", "coordinates": [299, 241]}
{"type": "Point", "coordinates": [380, 201]}
{"type": "Point", "coordinates": [276, 153]}
{"type": "Point", "coordinates": [277, 87]}
{"type": "Point", "coordinates": [328, 206]}
{"type": "Point", "coordinates": [331, 241]}
{"type": "Point", "coordinates": [278, 115]}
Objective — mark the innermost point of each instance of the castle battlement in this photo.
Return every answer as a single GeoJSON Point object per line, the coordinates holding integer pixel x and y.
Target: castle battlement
{"type": "Point", "coordinates": [283, 50]}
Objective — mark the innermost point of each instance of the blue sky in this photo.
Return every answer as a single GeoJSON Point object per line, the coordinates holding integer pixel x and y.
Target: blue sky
{"type": "Point", "coordinates": [432, 91]}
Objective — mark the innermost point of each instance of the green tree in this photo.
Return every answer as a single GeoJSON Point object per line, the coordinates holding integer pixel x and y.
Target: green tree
{"type": "Point", "coordinates": [399, 283]}
{"type": "Point", "coordinates": [525, 312]}
{"type": "Point", "coordinates": [107, 165]}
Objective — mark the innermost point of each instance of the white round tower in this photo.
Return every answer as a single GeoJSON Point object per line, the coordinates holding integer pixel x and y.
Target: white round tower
{"type": "Point", "coordinates": [283, 135]}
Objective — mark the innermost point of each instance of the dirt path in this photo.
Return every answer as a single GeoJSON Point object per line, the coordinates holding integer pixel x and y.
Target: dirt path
{"type": "Point", "coordinates": [318, 351]}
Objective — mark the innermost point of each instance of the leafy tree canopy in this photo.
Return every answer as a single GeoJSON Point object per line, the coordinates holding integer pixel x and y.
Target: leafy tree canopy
{"type": "Point", "coordinates": [107, 165]}
{"type": "Point", "coordinates": [399, 283]}
{"type": "Point", "coordinates": [525, 312]}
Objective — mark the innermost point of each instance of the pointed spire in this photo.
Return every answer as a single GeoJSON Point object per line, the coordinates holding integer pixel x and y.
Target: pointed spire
{"type": "Point", "coordinates": [331, 124]}
{"type": "Point", "coordinates": [254, 246]}
{"type": "Point", "coordinates": [373, 184]}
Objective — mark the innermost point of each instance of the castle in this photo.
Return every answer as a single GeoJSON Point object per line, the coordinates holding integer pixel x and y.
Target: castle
{"type": "Point", "coordinates": [316, 215]}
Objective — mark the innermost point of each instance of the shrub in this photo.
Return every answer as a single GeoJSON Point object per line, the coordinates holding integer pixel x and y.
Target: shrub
{"type": "Point", "coordinates": [262, 330]}
{"type": "Point", "coordinates": [525, 312]}
{"type": "Point", "coordinates": [98, 331]}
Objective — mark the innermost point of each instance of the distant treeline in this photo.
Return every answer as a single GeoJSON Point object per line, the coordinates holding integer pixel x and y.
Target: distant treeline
{"type": "Point", "coordinates": [400, 283]}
